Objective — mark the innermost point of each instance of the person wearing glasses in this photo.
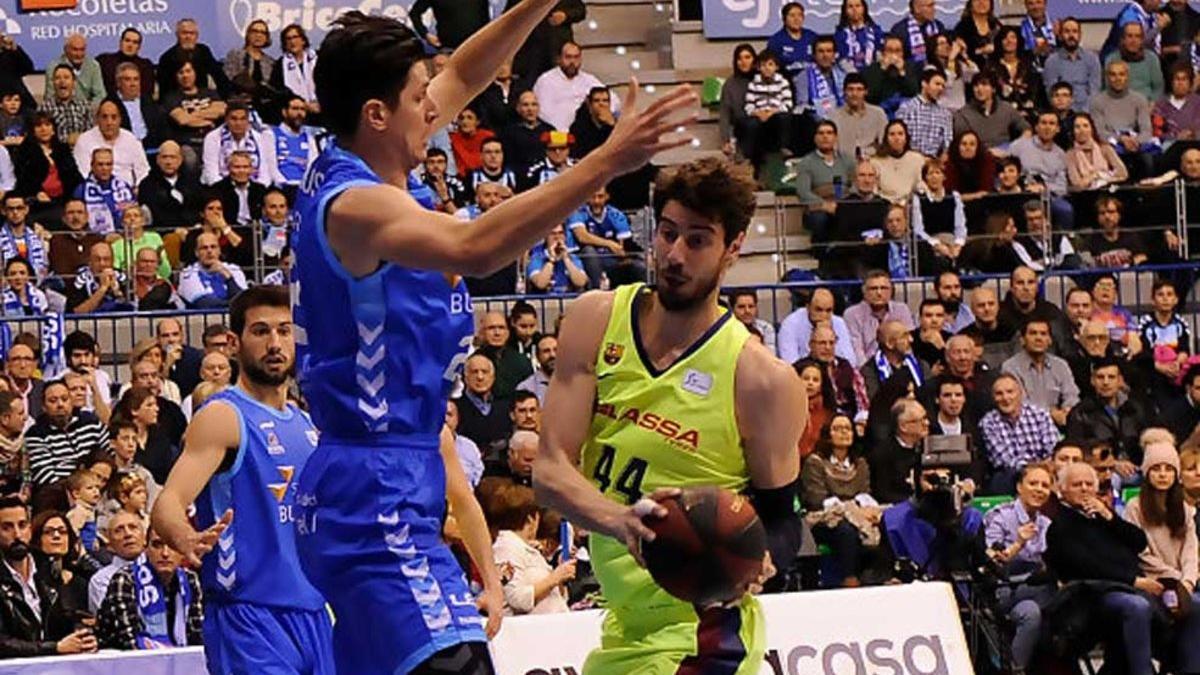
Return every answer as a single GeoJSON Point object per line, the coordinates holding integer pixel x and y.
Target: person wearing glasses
{"type": "Point", "coordinates": [892, 463]}
{"type": "Point", "coordinates": [249, 67]}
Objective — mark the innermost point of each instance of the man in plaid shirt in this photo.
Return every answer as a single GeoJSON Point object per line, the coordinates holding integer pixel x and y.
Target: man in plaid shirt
{"type": "Point", "coordinates": [1014, 434]}
{"type": "Point", "coordinates": [930, 125]}
{"type": "Point", "coordinates": [72, 116]}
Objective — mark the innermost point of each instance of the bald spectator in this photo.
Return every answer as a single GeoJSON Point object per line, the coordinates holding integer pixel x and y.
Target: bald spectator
{"type": "Point", "coordinates": [1122, 118]}
{"type": "Point", "coordinates": [174, 198]}
{"type": "Point", "coordinates": [71, 114]}
{"type": "Point", "coordinates": [523, 146]}
{"type": "Point", "coordinates": [892, 463]}
{"type": "Point", "coordinates": [996, 338]}
{"type": "Point", "coordinates": [129, 157]}
{"type": "Point", "coordinates": [215, 369]}
{"type": "Point", "coordinates": [797, 327]}
{"type": "Point", "coordinates": [98, 287]}
{"type": "Point", "coordinates": [62, 437]}
{"type": "Point", "coordinates": [181, 362]}
{"type": "Point", "coordinates": [517, 464]}
{"type": "Point", "coordinates": [89, 82]}
{"type": "Point", "coordinates": [1022, 304]}
{"type": "Point", "coordinates": [151, 291]}
{"type": "Point", "coordinates": [20, 367]}
{"type": "Point", "coordinates": [512, 367]}
{"type": "Point", "coordinates": [1016, 433]}
{"type": "Point", "coordinates": [483, 417]}
{"type": "Point", "coordinates": [962, 362]}
{"type": "Point", "coordinates": [69, 250]}
{"type": "Point", "coordinates": [188, 48]}
{"type": "Point", "coordinates": [105, 196]}
{"type": "Point", "coordinates": [561, 90]}
{"type": "Point", "coordinates": [877, 306]}
{"type": "Point", "coordinates": [209, 282]}
{"type": "Point", "coordinates": [1046, 378]}
{"type": "Point", "coordinates": [893, 359]}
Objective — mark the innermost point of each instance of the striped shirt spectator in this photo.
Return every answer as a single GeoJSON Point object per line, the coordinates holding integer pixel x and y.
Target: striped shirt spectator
{"type": "Point", "coordinates": [773, 94]}
{"type": "Point", "coordinates": [930, 125]}
{"type": "Point", "coordinates": [61, 438]}
{"type": "Point", "coordinates": [71, 117]}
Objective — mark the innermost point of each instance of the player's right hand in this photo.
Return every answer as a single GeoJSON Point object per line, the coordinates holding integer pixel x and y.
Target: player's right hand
{"type": "Point", "coordinates": [200, 543]}
{"type": "Point", "coordinates": [637, 137]}
{"type": "Point", "coordinates": [633, 526]}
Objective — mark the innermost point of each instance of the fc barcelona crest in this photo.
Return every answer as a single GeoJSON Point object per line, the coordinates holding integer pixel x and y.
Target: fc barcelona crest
{"type": "Point", "coordinates": [613, 353]}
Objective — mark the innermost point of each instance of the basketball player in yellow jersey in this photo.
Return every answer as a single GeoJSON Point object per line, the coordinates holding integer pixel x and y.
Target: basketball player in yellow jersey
{"type": "Point", "coordinates": [657, 389]}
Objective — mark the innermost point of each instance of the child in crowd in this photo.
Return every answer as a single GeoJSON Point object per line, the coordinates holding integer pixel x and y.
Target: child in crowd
{"type": "Point", "coordinates": [124, 442]}
{"type": "Point", "coordinates": [129, 494]}
{"type": "Point", "coordinates": [13, 120]}
{"type": "Point", "coordinates": [1163, 328]}
{"type": "Point", "coordinates": [768, 100]}
{"type": "Point", "coordinates": [84, 489]}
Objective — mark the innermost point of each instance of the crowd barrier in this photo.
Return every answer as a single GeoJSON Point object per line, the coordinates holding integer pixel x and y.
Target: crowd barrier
{"type": "Point", "coordinates": [905, 630]}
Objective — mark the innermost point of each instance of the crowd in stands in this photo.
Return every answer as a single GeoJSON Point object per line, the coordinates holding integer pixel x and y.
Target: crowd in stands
{"type": "Point", "coordinates": [137, 185]}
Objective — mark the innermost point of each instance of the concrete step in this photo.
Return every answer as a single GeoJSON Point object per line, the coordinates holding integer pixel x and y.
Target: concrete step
{"type": "Point", "coordinates": [619, 24]}
{"type": "Point", "coordinates": [611, 66]}
{"type": "Point", "coordinates": [691, 50]}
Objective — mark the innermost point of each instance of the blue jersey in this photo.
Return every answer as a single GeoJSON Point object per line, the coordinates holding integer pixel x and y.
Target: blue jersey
{"type": "Point", "coordinates": [377, 354]}
{"type": "Point", "coordinates": [255, 559]}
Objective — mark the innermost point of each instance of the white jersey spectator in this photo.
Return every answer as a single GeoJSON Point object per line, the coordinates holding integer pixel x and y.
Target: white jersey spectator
{"type": "Point", "coordinates": [129, 157]}
{"type": "Point", "coordinates": [561, 90]}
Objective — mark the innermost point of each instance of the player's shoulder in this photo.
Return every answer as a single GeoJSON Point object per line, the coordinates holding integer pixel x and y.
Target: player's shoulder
{"type": "Point", "coordinates": [585, 322]}
{"type": "Point", "coordinates": [219, 418]}
{"type": "Point", "coordinates": [759, 372]}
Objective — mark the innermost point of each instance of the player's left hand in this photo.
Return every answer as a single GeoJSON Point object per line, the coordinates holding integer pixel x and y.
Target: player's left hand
{"type": "Point", "coordinates": [768, 570]}
{"type": "Point", "coordinates": [491, 605]}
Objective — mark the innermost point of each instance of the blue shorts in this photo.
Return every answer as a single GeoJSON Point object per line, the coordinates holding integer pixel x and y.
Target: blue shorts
{"type": "Point", "coordinates": [245, 639]}
{"type": "Point", "coordinates": [369, 526]}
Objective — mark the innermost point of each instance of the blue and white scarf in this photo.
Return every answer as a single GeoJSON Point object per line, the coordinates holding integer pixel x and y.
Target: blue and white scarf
{"type": "Point", "coordinates": [14, 307]}
{"type": "Point", "coordinates": [885, 370]}
{"type": "Point", "coordinates": [104, 203]}
{"type": "Point", "coordinates": [293, 152]}
{"type": "Point", "coordinates": [230, 145]}
{"type": "Point", "coordinates": [861, 44]}
{"type": "Point", "coordinates": [916, 37]}
{"type": "Point", "coordinates": [1030, 33]}
{"type": "Point", "coordinates": [152, 607]}
{"type": "Point", "coordinates": [898, 259]}
{"type": "Point", "coordinates": [35, 249]}
{"type": "Point", "coordinates": [298, 75]}
{"type": "Point", "coordinates": [822, 98]}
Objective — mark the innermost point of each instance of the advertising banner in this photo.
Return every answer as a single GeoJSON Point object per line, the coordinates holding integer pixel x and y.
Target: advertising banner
{"type": "Point", "coordinates": [760, 18]}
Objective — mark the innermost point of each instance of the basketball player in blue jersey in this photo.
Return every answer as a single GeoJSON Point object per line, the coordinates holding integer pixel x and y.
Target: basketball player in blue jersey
{"type": "Point", "coordinates": [384, 324]}
{"type": "Point", "coordinates": [241, 455]}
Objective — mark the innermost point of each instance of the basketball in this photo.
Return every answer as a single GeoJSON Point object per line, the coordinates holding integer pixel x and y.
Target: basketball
{"type": "Point", "coordinates": [710, 544]}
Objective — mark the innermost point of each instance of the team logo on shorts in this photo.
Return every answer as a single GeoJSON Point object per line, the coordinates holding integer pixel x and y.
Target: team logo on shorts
{"type": "Point", "coordinates": [613, 353]}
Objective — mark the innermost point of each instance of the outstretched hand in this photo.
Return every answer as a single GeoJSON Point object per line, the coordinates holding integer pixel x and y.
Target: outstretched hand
{"type": "Point", "coordinates": [638, 135]}
{"type": "Point", "coordinates": [200, 543]}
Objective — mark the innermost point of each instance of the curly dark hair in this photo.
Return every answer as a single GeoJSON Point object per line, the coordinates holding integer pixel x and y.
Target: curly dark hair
{"type": "Point", "coordinates": [713, 187]}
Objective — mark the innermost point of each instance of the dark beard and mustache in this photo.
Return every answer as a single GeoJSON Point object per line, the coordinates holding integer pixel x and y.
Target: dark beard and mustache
{"type": "Point", "coordinates": [259, 375]}
{"type": "Point", "coordinates": [16, 552]}
{"type": "Point", "coordinates": [673, 301]}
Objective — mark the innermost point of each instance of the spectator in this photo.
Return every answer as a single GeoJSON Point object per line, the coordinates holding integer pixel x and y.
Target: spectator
{"type": "Point", "coordinates": [296, 145]}
{"type": "Point", "coordinates": [893, 359]}
{"type": "Point", "coordinates": [892, 249]}
{"type": "Point", "coordinates": [539, 382]}
{"type": "Point", "coordinates": [21, 297]}
{"type": "Point", "coordinates": [130, 618]}
{"type": "Point", "coordinates": [1016, 433]}
{"type": "Point", "coordinates": [593, 122]}
{"type": "Point", "coordinates": [929, 337]}
{"type": "Point", "coordinates": [136, 238]}
{"type": "Point", "coordinates": [1088, 542]}
{"type": "Point", "coordinates": [83, 490]}
{"type": "Point", "coordinates": [98, 287]}
{"type": "Point", "coordinates": [820, 85]}
{"type": "Point", "coordinates": [513, 458]}
{"type": "Point", "coordinates": [464, 448]}
{"type": "Point", "coordinates": [237, 136]}
{"type": "Point", "coordinates": [768, 107]}
{"type": "Point", "coordinates": [21, 374]}
{"type": "Point", "coordinates": [1039, 35]}
{"type": "Point", "coordinates": [866, 183]}
{"type": "Point", "coordinates": [241, 197]}
{"type": "Point", "coordinates": [140, 115]}
{"type": "Point", "coordinates": [89, 83]}
{"type": "Point", "coordinates": [467, 141]}
{"type": "Point", "coordinates": [995, 336]}
{"type": "Point", "coordinates": [61, 438]}
{"type": "Point", "coordinates": [173, 197]}
{"type": "Point", "coordinates": [511, 366]}
{"type": "Point", "coordinates": [602, 232]}
{"type": "Point", "coordinates": [1092, 163]}
{"type": "Point", "coordinates": [296, 67]}
{"type": "Point", "coordinates": [544, 44]}
{"type": "Point", "coordinates": [1122, 118]}
{"type": "Point", "coordinates": [1122, 329]}
{"type": "Point", "coordinates": [153, 416]}
{"type": "Point", "coordinates": [863, 319]}
{"type": "Point", "coordinates": [819, 394]}
{"type": "Point", "coordinates": [129, 158]}
{"type": "Point", "coordinates": [523, 329]}
{"type": "Point", "coordinates": [820, 176]}
{"type": "Point", "coordinates": [83, 358]}
{"type": "Point", "coordinates": [1164, 328]}
{"type": "Point", "coordinates": [917, 28]}
{"type": "Point", "coordinates": [456, 21]}
{"type": "Point", "coordinates": [732, 115]}
{"type": "Point", "coordinates": [890, 81]}
{"type": "Point", "coordinates": [451, 193]}
{"type": "Point", "coordinates": [962, 362]}
{"type": "Point", "coordinates": [1045, 378]}
{"type": "Point", "coordinates": [32, 623]}
{"type": "Point", "coordinates": [1016, 533]}
{"type": "Point", "coordinates": [928, 122]}
{"type": "Point", "coordinates": [189, 49]}
{"type": "Point", "coordinates": [13, 475]}
{"type": "Point", "coordinates": [837, 480]}
{"type": "Point", "coordinates": [1145, 71]}
{"type": "Point", "coordinates": [249, 68]}
{"type": "Point", "coordinates": [860, 125]}
{"type": "Point", "coordinates": [1033, 250]}
{"type": "Point", "coordinates": [125, 536]}
{"type": "Point", "coordinates": [858, 37]}
{"type": "Point", "coordinates": [939, 218]}
{"type": "Point", "coordinates": [497, 105]}
{"type": "Point", "coordinates": [1045, 163]}
{"type": "Point", "coordinates": [949, 291]}
{"type": "Point", "coordinates": [797, 328]}
{"type": "Point", "coordinates": [971, 169]}
{"type": "Point", "coordinates": [491, 170]}
{"type": "Point", "coordinates": [557, 159]}
{"type": "Point", "coordinates": [1016, 73]}
{"type": "Point", "coordinates": [898, 164]}
{"type": "Point", "coordinates": [1074, 65]}
{"type": "Point", "coordinates": [106, 195]}
{"type": "Point", "coordinates": [893, 462]}
{"type": "Point", "coordinates": [949, 54]}
{"type": "Point", "coordinates": [54, 540]}
{"type": "Point", "coordinates": [977, 29]}
{"type": "Point", "coordinates": [15, 64]}
{"type": "Point", "coordinates": [483, 417]}
{"type": "Point", "coordinates": [181, 362]}
{"type": "Point", "coordinates": [209, 282]}
{"type": "Point", "coordinates": [19, 238]}
{"type": "Point", "coordinates": [744, 305]}
{"type": "Point", "coordinates": [952, 417]}
{"type": "Point", "coordinates": [531, 585]}
{"type": "Point", "coordinates": [1022, 304]}
{"type": "Point", "coordinates": [523, 139]}
{"type": "Point", "coordinates": [526, 412]}
{"type": "Point", "coordinates": [561, 90]}
{"type": "Point", "coordinates": [193, 107]}
{"type": "Point", "coordinates": [996, 251]}
{"type": "Point", "coordinates": [1111, 416]}
{"type": "Point", "coordinates": [72, 115]}
{"type": "Point", "coordinates": [554, 269]}
{"type": "Point", "coordinates": [792, 43]}
{"type": "Point", "coordinates": [45, 170]}
{"type": "Point", "coordinates": [1179, 108]}
{"type": "Point", "coordinates": [128, 49]}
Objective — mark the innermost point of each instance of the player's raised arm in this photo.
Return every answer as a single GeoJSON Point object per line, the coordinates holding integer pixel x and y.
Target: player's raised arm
{"type": "Point", "coordinates": [383, 222]}
{"type": "Point", "coordinates": [473, 65]}
{"type": "Point", "coordinates": [771, 414]}
{"type": "Point", "coordinates": [565, 422]}
{"type": "Point", "coordinates": [213, 431]}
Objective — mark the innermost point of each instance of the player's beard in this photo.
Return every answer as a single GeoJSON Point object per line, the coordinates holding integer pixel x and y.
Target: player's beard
{"type": "Point", "coordinates": [673, 300]}
{"type": "Point", "coordinates": [259, 375]}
